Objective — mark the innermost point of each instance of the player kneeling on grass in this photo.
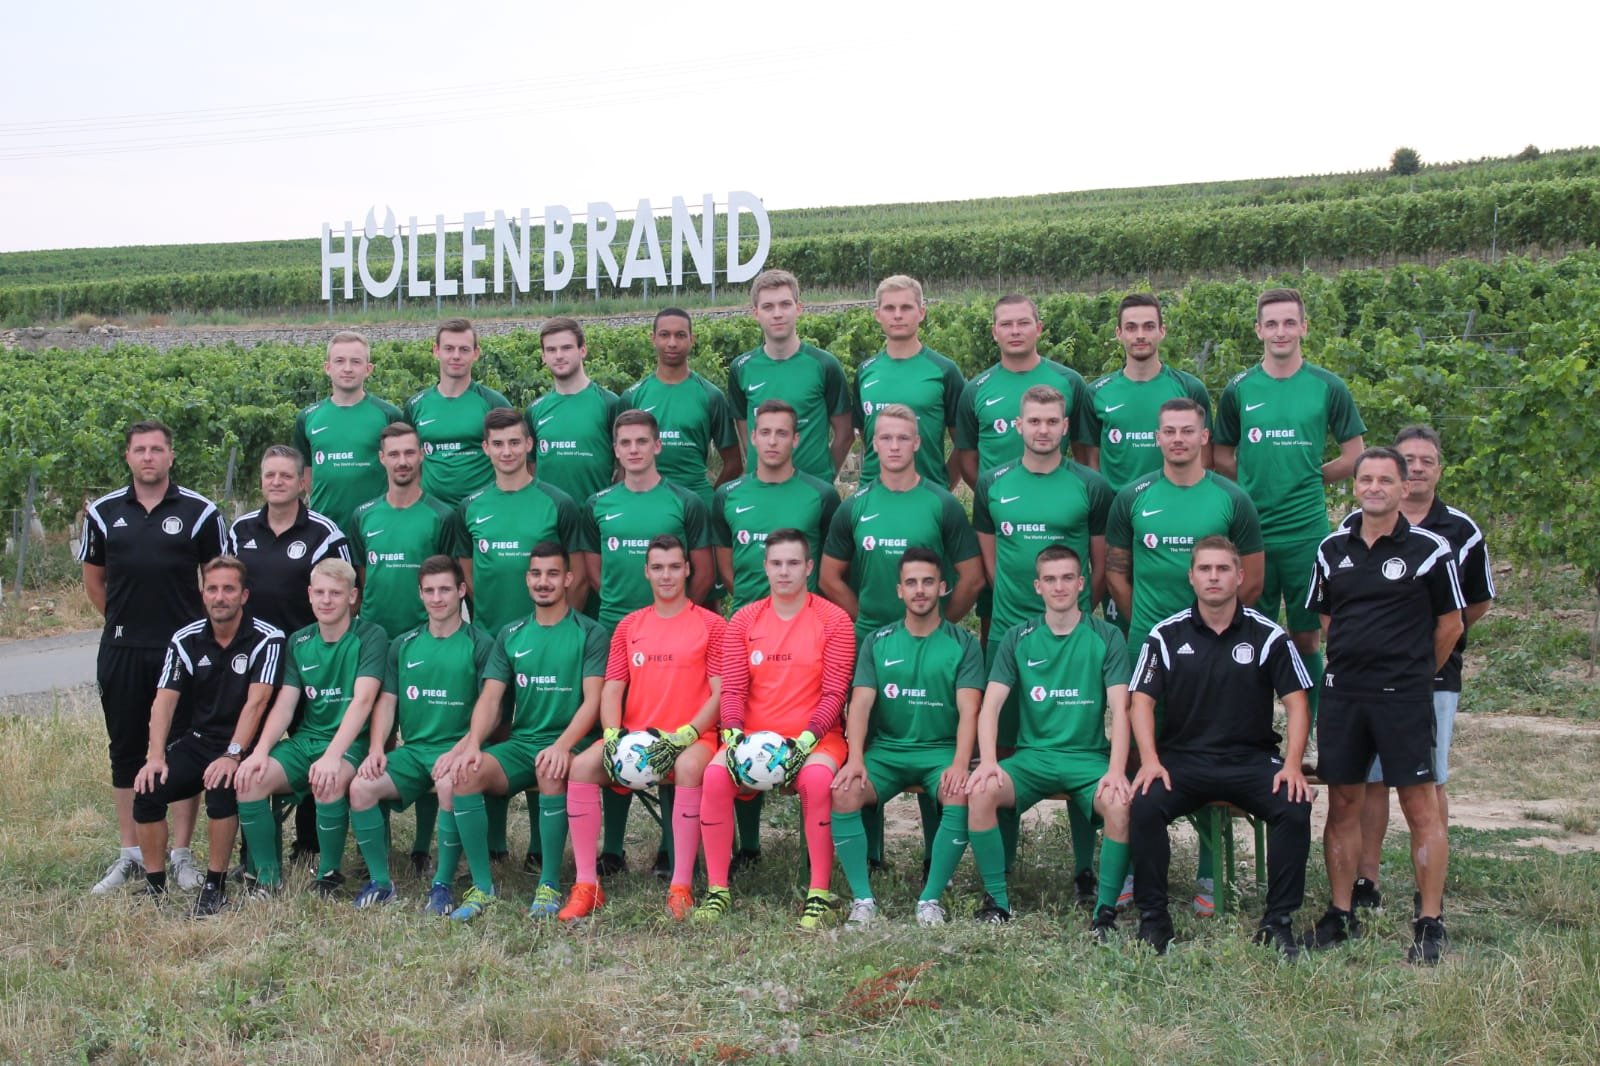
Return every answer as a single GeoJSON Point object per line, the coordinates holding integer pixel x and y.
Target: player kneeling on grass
{"type": "Point", "coordinates": [1216, 666]}
{"type": "Point", "coordinates": [664, 675]}
{"type": "Point", "coordinates": [429, 689]}
{"type": "Point", "coordinates": [219, 673]}
{"type": "Point", "coordinates": [337, 664]}
{"type": "Point", "coordinates": [786, 665]}
{"type": "Point", "coordinates": [1068, 668]}
{"type": "Point", "coordinates": [913, 719]}
{"type": "Point", "coordinates": [556, 660]}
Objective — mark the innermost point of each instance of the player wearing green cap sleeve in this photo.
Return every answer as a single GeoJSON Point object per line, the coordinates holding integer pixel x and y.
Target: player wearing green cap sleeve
{"type": "Point", "coordinates": [448, 417]}
{"type": "Point", "coordinates": [572, 422]}
{"type": "Point", "coordinates": [338, 436]}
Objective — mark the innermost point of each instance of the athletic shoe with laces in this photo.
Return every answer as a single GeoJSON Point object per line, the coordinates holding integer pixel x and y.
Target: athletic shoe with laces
{"type": "Point", "coordinates": [1366, 894]}
{"type": "Point", "coordinates": [1335, 927]}
{"type": "Point", "coordinates": [818, 910]}
{"type": "Point", "coordinates": [662, 867]}
{"type": "Point", "coordinates": [532, 862]}
{"type": "Point", "coordinates": [1205, 897]}
{"type": "Point", "coordinates": [716, 904]}
{"type": "Point", "coordinates": [210, 903]}
{"type": "Point", "coordinates": [373, 894]}
{"type": "Point", "coordinates": [421, 864]}
{"type": "Point", "coordinates": [930, 912]}
{"type": "Point", "coordinates": [328, 887]}
{"type": "Point", "coordinates": [743, 859]}
{"type": "Point", "coordinates": [1125, 897]}
{"type": "Point", "coordinates": [546, 902]}
{"type": "Point", "coordinates": [1086, 887]}
{"type": "Point", "coordinates": [1155, 929]}
{"type": "Point", "coordinates": [474, 903]}
{"type": "Point", "coordinates": [1104, 924]}
{"type": "Point", "coordinates": [184, 871]}
{"type": "Point", "coordinates": [680, 902]}
{"type": "Point", "coordinates": [122, 872]}
{"type": "Point", "coordinates": [584, 901]}
{"type": "Point", "coordinates": [1429, 943]}
{"type": "Point", "coordinates": [992, 913]}
{"type": "Point", "coordinates": [610, 863]}
{"type": "Point", "coordinates": [1278, 933]}
{"type": "Point", "coordinates": [863, 912]}
{"type": "Point", "coordinates": [441, 901]}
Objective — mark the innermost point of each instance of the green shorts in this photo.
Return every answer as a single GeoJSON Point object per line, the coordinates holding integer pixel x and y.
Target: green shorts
{"type": "Point", "coordinates": [1010, 710]}
{"type": "Point", "coordinates": [516, 756]}
{"type": "Point", "coordinates": [410, 767]}
{"type": "Point", "coordinates": [1038, 773]}
{"type": "Point", "coordinates": [892, 770]}
{"type": "Point", "coordinates": [296, 754]}
{"type": "Point", "coordinates": [1289, 566]}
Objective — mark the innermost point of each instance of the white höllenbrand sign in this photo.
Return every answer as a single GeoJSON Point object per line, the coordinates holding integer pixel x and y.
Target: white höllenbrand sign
{"type": "Point", "coordinates": [643, 258]}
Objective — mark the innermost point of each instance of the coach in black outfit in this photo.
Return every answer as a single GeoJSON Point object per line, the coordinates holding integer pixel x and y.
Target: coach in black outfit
{"type": "Point", "coordinates": [1216, 667]}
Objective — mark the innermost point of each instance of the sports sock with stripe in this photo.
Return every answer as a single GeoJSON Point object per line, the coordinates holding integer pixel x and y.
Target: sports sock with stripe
{"type": "Point", "coordinates": [850, 841]}
{"type": "Point", "coordinates": [949, 844]}
{"type": "Point", "coordinates": [333, 829]}
{"type": "Point", "coordinates": [584, 801]}
{"type": "Point", "coordinates": [814, 783]}
{"type": "Point", "coordinates": [1113, 870]}
{"type": "Point", "coordinates": [685, 833]}
{"type": "Point", "coordinates": [989, 852]}
{"type": "Point", "coordinates": [716, 822]}
{"type": "Point", "coordinates": [372, 842]}
{"type": "Point", "coordinates": [260, 831]}
{"type": "Point", "coordinates": [552, 838]}
{"type": "Point", "coordinates": [449, 848]}
{"type": "Point", "coordinates": [472, 837]}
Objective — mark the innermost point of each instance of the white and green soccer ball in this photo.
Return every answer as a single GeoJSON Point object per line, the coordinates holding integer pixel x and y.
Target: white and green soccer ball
{"type": "Point", "coordinates": [630, 767]}
{"type": "Point", "coordinates": [762, 760]}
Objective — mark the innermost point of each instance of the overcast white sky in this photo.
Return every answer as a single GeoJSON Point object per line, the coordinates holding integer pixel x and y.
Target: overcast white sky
{"type": "Point", "coordinates": [137, 123]}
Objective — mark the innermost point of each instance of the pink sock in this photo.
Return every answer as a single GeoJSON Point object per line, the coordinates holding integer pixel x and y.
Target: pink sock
{"type": "Point", "coordinates": [685, 834]}
{"type": "Point", "coordinates": [716, 824]}
{"type": "Point", "coordinates": [816, 813]}
{"type": "Point", "coordinates": [583, 823]}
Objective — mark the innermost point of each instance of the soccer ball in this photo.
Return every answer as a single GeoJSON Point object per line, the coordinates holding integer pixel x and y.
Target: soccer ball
{"type": "Point", "coordinates": [630, 767]}
{"type": "Point", "coordinates": [761, 759]}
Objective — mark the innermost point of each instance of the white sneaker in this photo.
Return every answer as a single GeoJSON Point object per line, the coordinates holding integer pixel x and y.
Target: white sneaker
{"type": "Point", "coordinates": [863, 912]}
{"type": "Point", "coordinates": [118, 874]}
{"type": "Point", "coordinates": [930, 912]}
{"type": "Point", "coordinates": [184, 870]}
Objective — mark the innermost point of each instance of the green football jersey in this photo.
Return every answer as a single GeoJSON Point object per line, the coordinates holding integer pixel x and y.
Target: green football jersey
{"type": "Point", "coordinates": [572, 439]}
{"type": "Point", "coordinates": [872, 529]}
{"type": "Point", "coordinates": [1061, 682]}
{"type": "Point", "coordinates": [930, 385]}
{"type": "Point", "coordinates": [1026, 513]}
{"type": "Point", "coordinates": [694, 417]}
{"type": "Point", "coordinates": [543, 668]}
{"type": "Point", "coordinates": [617, 524]}
{"type": "Point", "coordinates": [811, 381]}
{"type": "Point", "coordinates": [1280, 428]}
{"type": "Point", "coordinates": [746, 509]}
{"type": "Point", "coordinates": [391, 544]}
{"type": "Point", "coordinates": [1122, 416]}
{"type": "Point", "coordinates": [340, 445]}
{"type": "Point", "coordinates": [435, 682]}
{"type": "Point", "coordinates": [326, 674]}
{"type": "Point", "coordinates": [499, 529]}
{"type": "Point", "coordinates": [986, 421]}
{"type": "Point", "coordinates": [916, 679]}
{"type": "Point", "coordinates": [451, 429]}
{"type": "Point", "coordinates": [1158, 523]}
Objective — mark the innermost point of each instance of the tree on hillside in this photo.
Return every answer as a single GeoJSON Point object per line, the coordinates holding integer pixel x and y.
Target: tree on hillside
{"type": "Point", "coordinates": [1529, 153]}
{"type": "Point", "coordinates": [1405, 161]}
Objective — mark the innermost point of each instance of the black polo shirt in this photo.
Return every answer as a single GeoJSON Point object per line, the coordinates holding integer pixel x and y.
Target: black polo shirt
{"type": "Point", "coordinates": [1382, 603]}
{"type": "Point", "coordinates": [1217, 688]}
{"type": "Point", "coordinates": [152, 561]}
{"type": "Point", "coordinates": [212, 681]}
{"type": "Point", "coordinates": [278, 567]}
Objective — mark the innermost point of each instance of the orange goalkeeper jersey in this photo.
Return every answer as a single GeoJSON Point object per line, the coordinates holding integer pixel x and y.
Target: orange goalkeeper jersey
{"type": "Point", "coordinates": [667, 663]}
{"type": "Point", "coordinates": [787, 675]}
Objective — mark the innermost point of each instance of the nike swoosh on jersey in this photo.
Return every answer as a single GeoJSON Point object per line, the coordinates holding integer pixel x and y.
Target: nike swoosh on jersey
{"type": "Point", "coordinates": [870, 517]}
{"type": "Point", "coordinates": [520, 654]}
{"type": "Point", "coordinates": [482, 518]}
{"type": "Point", "coordinates": [609, 517]}
{"type": "Point", "coordinates": [755, 388]}
{"type": "Point", "coordinates": [893, 662]}
{"type": "Point", "coordinates": [992, 402]}
{"type": "Point", "coordinates": [652, 407]}
{"type": "Point", "coordinates": [742, 510]}
{"type": "Point", "coordinates": [317, 430]}
{"type": "Point", "coordinates": [1037, 662]}
{"type": "Point", "coordinates": [869, 384]}
{"type": "Point", "coordinates": [1009, 499]}
{"type": "Point", "coordinates": [1253, 406]}
{"type": "Point", "coordinates": [427, 421]}
{"type": "Point", "coordinates": [1115, 407]}
{"type": "Point", "coordinates": [543, 420]}
{"type": "Point", "coordinates": [1147, 514]}
{"type": "Point", "coordinates": [308, 669]}
{"type": "Point", "coordinates": [413, 665]}
{"type": "Point", "coordinates": [376, 533]}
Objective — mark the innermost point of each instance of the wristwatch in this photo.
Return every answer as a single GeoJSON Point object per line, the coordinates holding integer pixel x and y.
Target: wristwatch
{"type": "Point", "coordinates": [234, 751]}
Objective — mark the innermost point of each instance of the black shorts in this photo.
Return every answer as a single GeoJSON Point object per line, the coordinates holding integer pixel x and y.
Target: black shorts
{"type": "Point", "coordinates": [127, 680]}
{"type": "Point", "coordinates": [1352, 729]}
{"type": "Point", "coordinates": [187, 759]}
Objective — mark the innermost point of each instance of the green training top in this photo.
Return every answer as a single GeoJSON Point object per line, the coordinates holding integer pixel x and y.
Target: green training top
{"type": "Point", "coordinates": [435, 682]}
{"type": "Point", "coordinates": [326, 674]}
{"type": "Point", "coordinates": [1122, 416]}
{"type": "Point", "coordinates": [930, 385]}
{"type": "Point", "coordinates": [499, 529]}
{"type": "Point", "coordinates": [543, 668]}
{"type": "Point", "coordinates": [694, 416]}
{"type": "Point", "coordinates": [872, 529]}
{"type": "Point", "coordinates": [1158, 523]}
{"type": "Point", "coordinates": [746, 509]}
{"type": "Point", "coordinates": [986, 420]}
{"type": "Point", "coordinates": [451, 429]}
{"type": "Point", "coordinates": [1026, 513]}
{"type": "Point", "coordinates": [1280, 428]}
{"type": "Point", "coordinates": [391, 544]}
{"type": "Point", "coordinates": [1061, 682]}
{"type": "Point", "coordinates": [811, 381]}
{"type": "Point", "coordinates": [572, 439]}
{"type": "Point", "coordinates": [617, 524]}
{"type": "Point", "coordinates": [340, 445]}
{"type": "Point", "coordinates": [916, 680]}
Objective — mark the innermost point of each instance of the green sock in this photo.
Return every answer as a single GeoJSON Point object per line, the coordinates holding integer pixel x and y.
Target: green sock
{"type": "Point", "coordinates": [872, 825]}
{"type": "Point", "coordinates": [1082, 839]}
{"type": "Point", "coordinates": [260, 830]}
{"type": "Point", "coordinates": [333, 828]}
{"type": "Point", "coordinates": [747, 817]}
{"type": "Point", "coordinates": [1206, 863]}
{"type": "Point", "coordinates": [928, 808]}
{"type": "Point", "coordinates": [373, 843]}
{"type": "Point", "coordinates": [499, 808]}
{"type": "Point", "coordinates": [949, 843]}
{"type": "Point", "coordinates": [850, 844]}
{"type": "Point", "coordinates": [665, 796]}
{"type": "Point", "coordinates": [1314, 666]}
{"type": "Point", "coordinates": [989, 852]}
{"type": "Point", "coordinates": [614, 820]}
{"type": "Point", "coordinates": [1113, 871]}
{"type": "Point", "coordinates": [449, 848]}
{"type": "Point", "coordinates": [552, 838]}
{"type": "Point", "coordinates": [427, 811]}
{"type": "Point", "coordinates": [472, 832]}
{"type": "Point", "coordinates": [1009, 822]}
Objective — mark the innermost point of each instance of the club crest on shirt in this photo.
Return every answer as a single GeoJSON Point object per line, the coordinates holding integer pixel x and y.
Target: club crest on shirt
{"type": "Point", "coordinates": [172, 525]}
{"type": "Point", "coordinates": [891, 690]}
{"type": "Point", "coordinates": [638, 658]}
{"type": "Point", "coordinates": [1114, 435]}
{"type": "Point", "coordinates": [241, 663]}
{"type": "Point", "coordinates": [756, 658]}
{"type": "Point", "coordinates": [1394, 569]}
{"type": "Point", "coordinates": [1243, 654]}
{"type": "Point", "coordinates": [297, 550]}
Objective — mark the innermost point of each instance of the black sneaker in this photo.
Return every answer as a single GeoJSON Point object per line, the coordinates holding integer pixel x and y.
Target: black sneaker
{"type": "Point", "coordinates": [662, 867]}
{"type": "Point", "coordinates": [1334, 928]}
{"type": "Point", "coordinates": [1430, 942]}
{"type": "Point", "coordinates": [992, 913]}
{"type": "Point", "coordinates": [1104, 924]}
{"type": "Point", "coordinates": [328, 887]}
{"type": "Point", "coordinates": [743, 859]}
{"type": "Point", "coordinates": [210, 902]}
{"type": "Point", "coordinates": [1087, 887]}
{"type": "Point", "coordinates": [1366, 894]}
{"type": "Point", "coordinates": [532, 862]}
{"type": "Point", "coordinates": [421, 864]}
{"type": "Point", "coordinates": [610, 863]}
{"type": "Point", "coordinates": [1155, 929]}
{"type": "Point", "coordinates": [1278, 933]}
